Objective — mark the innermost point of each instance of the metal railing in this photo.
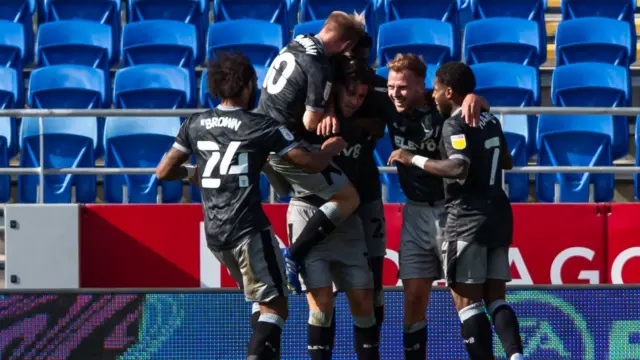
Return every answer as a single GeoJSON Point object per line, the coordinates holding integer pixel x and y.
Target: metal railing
{"type": "Point", "coordinates": [44, 113]}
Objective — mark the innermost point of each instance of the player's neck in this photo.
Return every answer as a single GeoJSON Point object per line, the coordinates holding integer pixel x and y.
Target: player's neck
{"type": "Point", "coordinates": [455, 109]}
{"type": "Point", "coordinates": [231, 104]}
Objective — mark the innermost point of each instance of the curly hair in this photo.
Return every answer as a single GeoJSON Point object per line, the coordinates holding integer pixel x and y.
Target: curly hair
{"type": "Point", "coordinates": [228, 74]}
{"type": "Point", "coordinates": [458, 76]}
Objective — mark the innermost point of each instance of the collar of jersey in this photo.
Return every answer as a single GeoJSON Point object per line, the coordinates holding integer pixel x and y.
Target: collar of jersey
{"type": "Point", "coordinates": [322, 48]}
{"type": "Point", "coordinates": [456, 112]}
{"type": "Point", "coordinates": [227, 108]}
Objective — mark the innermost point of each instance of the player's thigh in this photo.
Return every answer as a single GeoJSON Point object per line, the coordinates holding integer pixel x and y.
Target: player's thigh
{"type": "Point", "coordinates": [228, 259]}
{"type": "Point", "coordinates": [262, 267]}
{"type": "Point", "coordinates": [374, 227]}
{"type": "Point", "coordinates": [498, 264]}
{"type": "Point", "coordinates": [464, 262]}
{"type": "Point", "coordinates": [324, 184]}
{"type": "Point", "coordinates": [350, 267]}
{"type": "Point", "coordinates": [419, 251]}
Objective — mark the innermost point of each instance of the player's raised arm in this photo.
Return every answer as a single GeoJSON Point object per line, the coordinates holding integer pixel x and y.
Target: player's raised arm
{"type": "Point", "coordinates": [172, 166]}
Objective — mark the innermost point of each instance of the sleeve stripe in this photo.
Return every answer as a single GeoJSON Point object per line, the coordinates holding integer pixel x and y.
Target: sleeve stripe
{"type": "Point", "coordinates": [181, 148]}
{"type": "Point", "coordinates": [461, 157]}
{"type": "Point", "coordinates": [287, 149]}
{"type": "Point", "coordinates": [315, 109]}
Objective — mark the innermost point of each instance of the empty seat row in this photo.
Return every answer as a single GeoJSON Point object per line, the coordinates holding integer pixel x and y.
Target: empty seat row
{"type": "Point", "coordinates": [573, 140]}
{"type": "Point", "coordinates": [284, 12]}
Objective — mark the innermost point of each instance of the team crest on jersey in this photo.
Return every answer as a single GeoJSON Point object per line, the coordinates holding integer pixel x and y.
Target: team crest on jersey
{"type": "Point", "coordinates": [459, 142]}
{"type": "Point", "coordinates": [286, 133]}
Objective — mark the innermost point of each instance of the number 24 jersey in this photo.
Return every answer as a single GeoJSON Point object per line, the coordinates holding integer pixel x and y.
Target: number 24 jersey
{"type": "Point", "coordinates": [231, 146]}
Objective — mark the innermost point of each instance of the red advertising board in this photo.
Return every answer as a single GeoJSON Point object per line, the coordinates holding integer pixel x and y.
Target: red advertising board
{"type": "Point", "coordinates": [160, 245]}
{"type": "Point", "coordinates": [623, 244]}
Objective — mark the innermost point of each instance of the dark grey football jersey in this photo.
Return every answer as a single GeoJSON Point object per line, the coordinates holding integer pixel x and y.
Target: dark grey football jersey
{"type": "Point", "coordinates": [299, 79]}
{"type": "Point", "coordinates": [419, 133]}
{"type": "Point", "coordinates": [231, 145]}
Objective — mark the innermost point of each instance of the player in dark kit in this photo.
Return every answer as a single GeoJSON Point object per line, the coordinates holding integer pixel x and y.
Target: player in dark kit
{"type": "Point", "coordinates": [341, 259]}
{"type": "Point", "coordinates": [295, 92]}
{"type": "Point", "coordinates": [479, 224]}
{"type": "Point", "coordinates": [415, 127]}
{"type": "Point", "coordinates": [231, 146]}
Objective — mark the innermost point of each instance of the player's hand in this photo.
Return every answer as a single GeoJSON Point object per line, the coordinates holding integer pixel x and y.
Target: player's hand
{"type": "Point", "coordinates": [472, 106]}
{"type": "Point", "coordinates": [402, 156]}
{"type": "Point", "coordinates": [328, 126]}
{"type": "Point", "coordinates": [334, 145]}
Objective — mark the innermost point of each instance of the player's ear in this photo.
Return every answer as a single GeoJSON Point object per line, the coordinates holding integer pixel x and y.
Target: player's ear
{"type": "Point", "coordinates": [448, 92]}
{"type": "Point", "coordinates": [347, 46]}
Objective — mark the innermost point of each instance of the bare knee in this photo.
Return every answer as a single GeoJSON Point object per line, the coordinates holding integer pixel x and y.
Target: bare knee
{"type": "Point", "coordinates": [321, 299]}
{"type": "Point", "coordinates": [278, 306]}
{"type": "Point", "coordinates": [416, 298]}
{"type": "Point", "coordinates": [465, 295]}
{"type": "Point", "coordinates": [361, 302]}
{"type": "Point", "coordinates": [494, 290]}
{"type": "Point", "coordinates": [347, 199]}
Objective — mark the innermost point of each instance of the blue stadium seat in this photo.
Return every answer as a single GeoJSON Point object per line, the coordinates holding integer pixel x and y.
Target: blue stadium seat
{"type": "Point", "coordinates": [321, 9]}
{"type": "Point", "coordinates": [431, 39]}
{"type": "Point", "coordinates": [207, 101]}
{"type": "Point", "coordinates": [153, 87]}
{"type": "Point", "coordinates": [391, 181]}
{"type": "Point", "coordinates": [503, 40]}
{"type": "Point", "coordinates": [67, 87]}
{"type": "Point", "coordinates": [518, 135]}
{"type": "Point", "coordinates": [259, 40]}
{"type": "Point", "coordinates": [159, 42]}
{"type": "Point", "coordinates": [20, 12]}
{"type": "Point", "coordinates": [195, 12]}
{"type": "Point", "coordinates": [12, 44]}
{"type": "Point", "coordinates": [596, 85]}
{"type": "Point", "coordinates": [273, 11]}
{"type": "Point", "coordinates": [309, 27]}
{"type": "Point", "coordinates": [139, 143]}
{"type": "Point", "coordinates": [575, 140]}
{"type": "Point", "coordinates": [7, 141]}
{"type": "Point", "coordinates": [442, 10]}
{"type": "Point", "coordinates": [293, 8]}
{"type": "Point", "coordinates": [622, 10]}
{"type": "Point", "coordinates": [74, 42]}
{"type": "Point", "coordinates": [69, 143]}
{"type": "Point", "coordinates": [508, 84]}
{"type": "Point", "coordinates": [595, 40]}
{"type": "Point", "coordinates": [11, 89]}
{"type": "Point", "coordinates": [102, 11]}
{"type": "Point", "coordinates": [428, 81]}
{"type": "Point", "coordinates": [532, 10]}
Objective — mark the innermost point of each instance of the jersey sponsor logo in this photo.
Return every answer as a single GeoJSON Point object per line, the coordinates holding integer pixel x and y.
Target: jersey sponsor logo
{"type": "Point", "coordinates": [429, 145]}
{"type": "Point", "coordinates": [228, 122]}
{"type": "Point", "coordinates": [459, 142]}
{"type": "Point", "coordinates": [308, 44]}
{"type": "Point", "coordinates": [286, 133]}
{"type": "Point", "coordinates": [353, 151]}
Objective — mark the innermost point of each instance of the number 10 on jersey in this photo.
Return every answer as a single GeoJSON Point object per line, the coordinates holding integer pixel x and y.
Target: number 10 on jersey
{"type": "Point", "coordinates": [211, 180]}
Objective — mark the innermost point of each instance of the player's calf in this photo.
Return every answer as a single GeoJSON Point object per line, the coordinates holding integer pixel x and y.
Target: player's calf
{"type": "Point", "coordinates": [504, 318]}
{"type": "Point", "coordinates": [324, 221]}
{"type": "Point", "coordinates": [476, 328]}
{"type": "Point", "coordinates": [266, 338]}
{"type": "Point", "coordinates": [320, 335]}
{"type": "Point", "coordinates": [416, 298]}
{"type": "Point", "coordinates": [366, 329]}
{"type": "Point", "coordinates": [376, 264]}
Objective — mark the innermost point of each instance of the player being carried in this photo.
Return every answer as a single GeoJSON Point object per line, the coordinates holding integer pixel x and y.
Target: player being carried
{"type": "Point", "coordinates": [479, 224]}
{"type": "Point", "coordinates": [231, 146]}
{"type": "Point", "coordinates": [295, 92]}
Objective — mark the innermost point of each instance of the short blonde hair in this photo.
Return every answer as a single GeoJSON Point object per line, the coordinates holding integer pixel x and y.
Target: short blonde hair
{"type": "Point", "coordinates": [410, 62]}
{"type": "Point", "coordinates": [347, 27]}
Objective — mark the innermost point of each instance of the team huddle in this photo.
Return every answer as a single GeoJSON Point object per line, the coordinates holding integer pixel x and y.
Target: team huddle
{"type": "Point", "coordinates": [319, 116]}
